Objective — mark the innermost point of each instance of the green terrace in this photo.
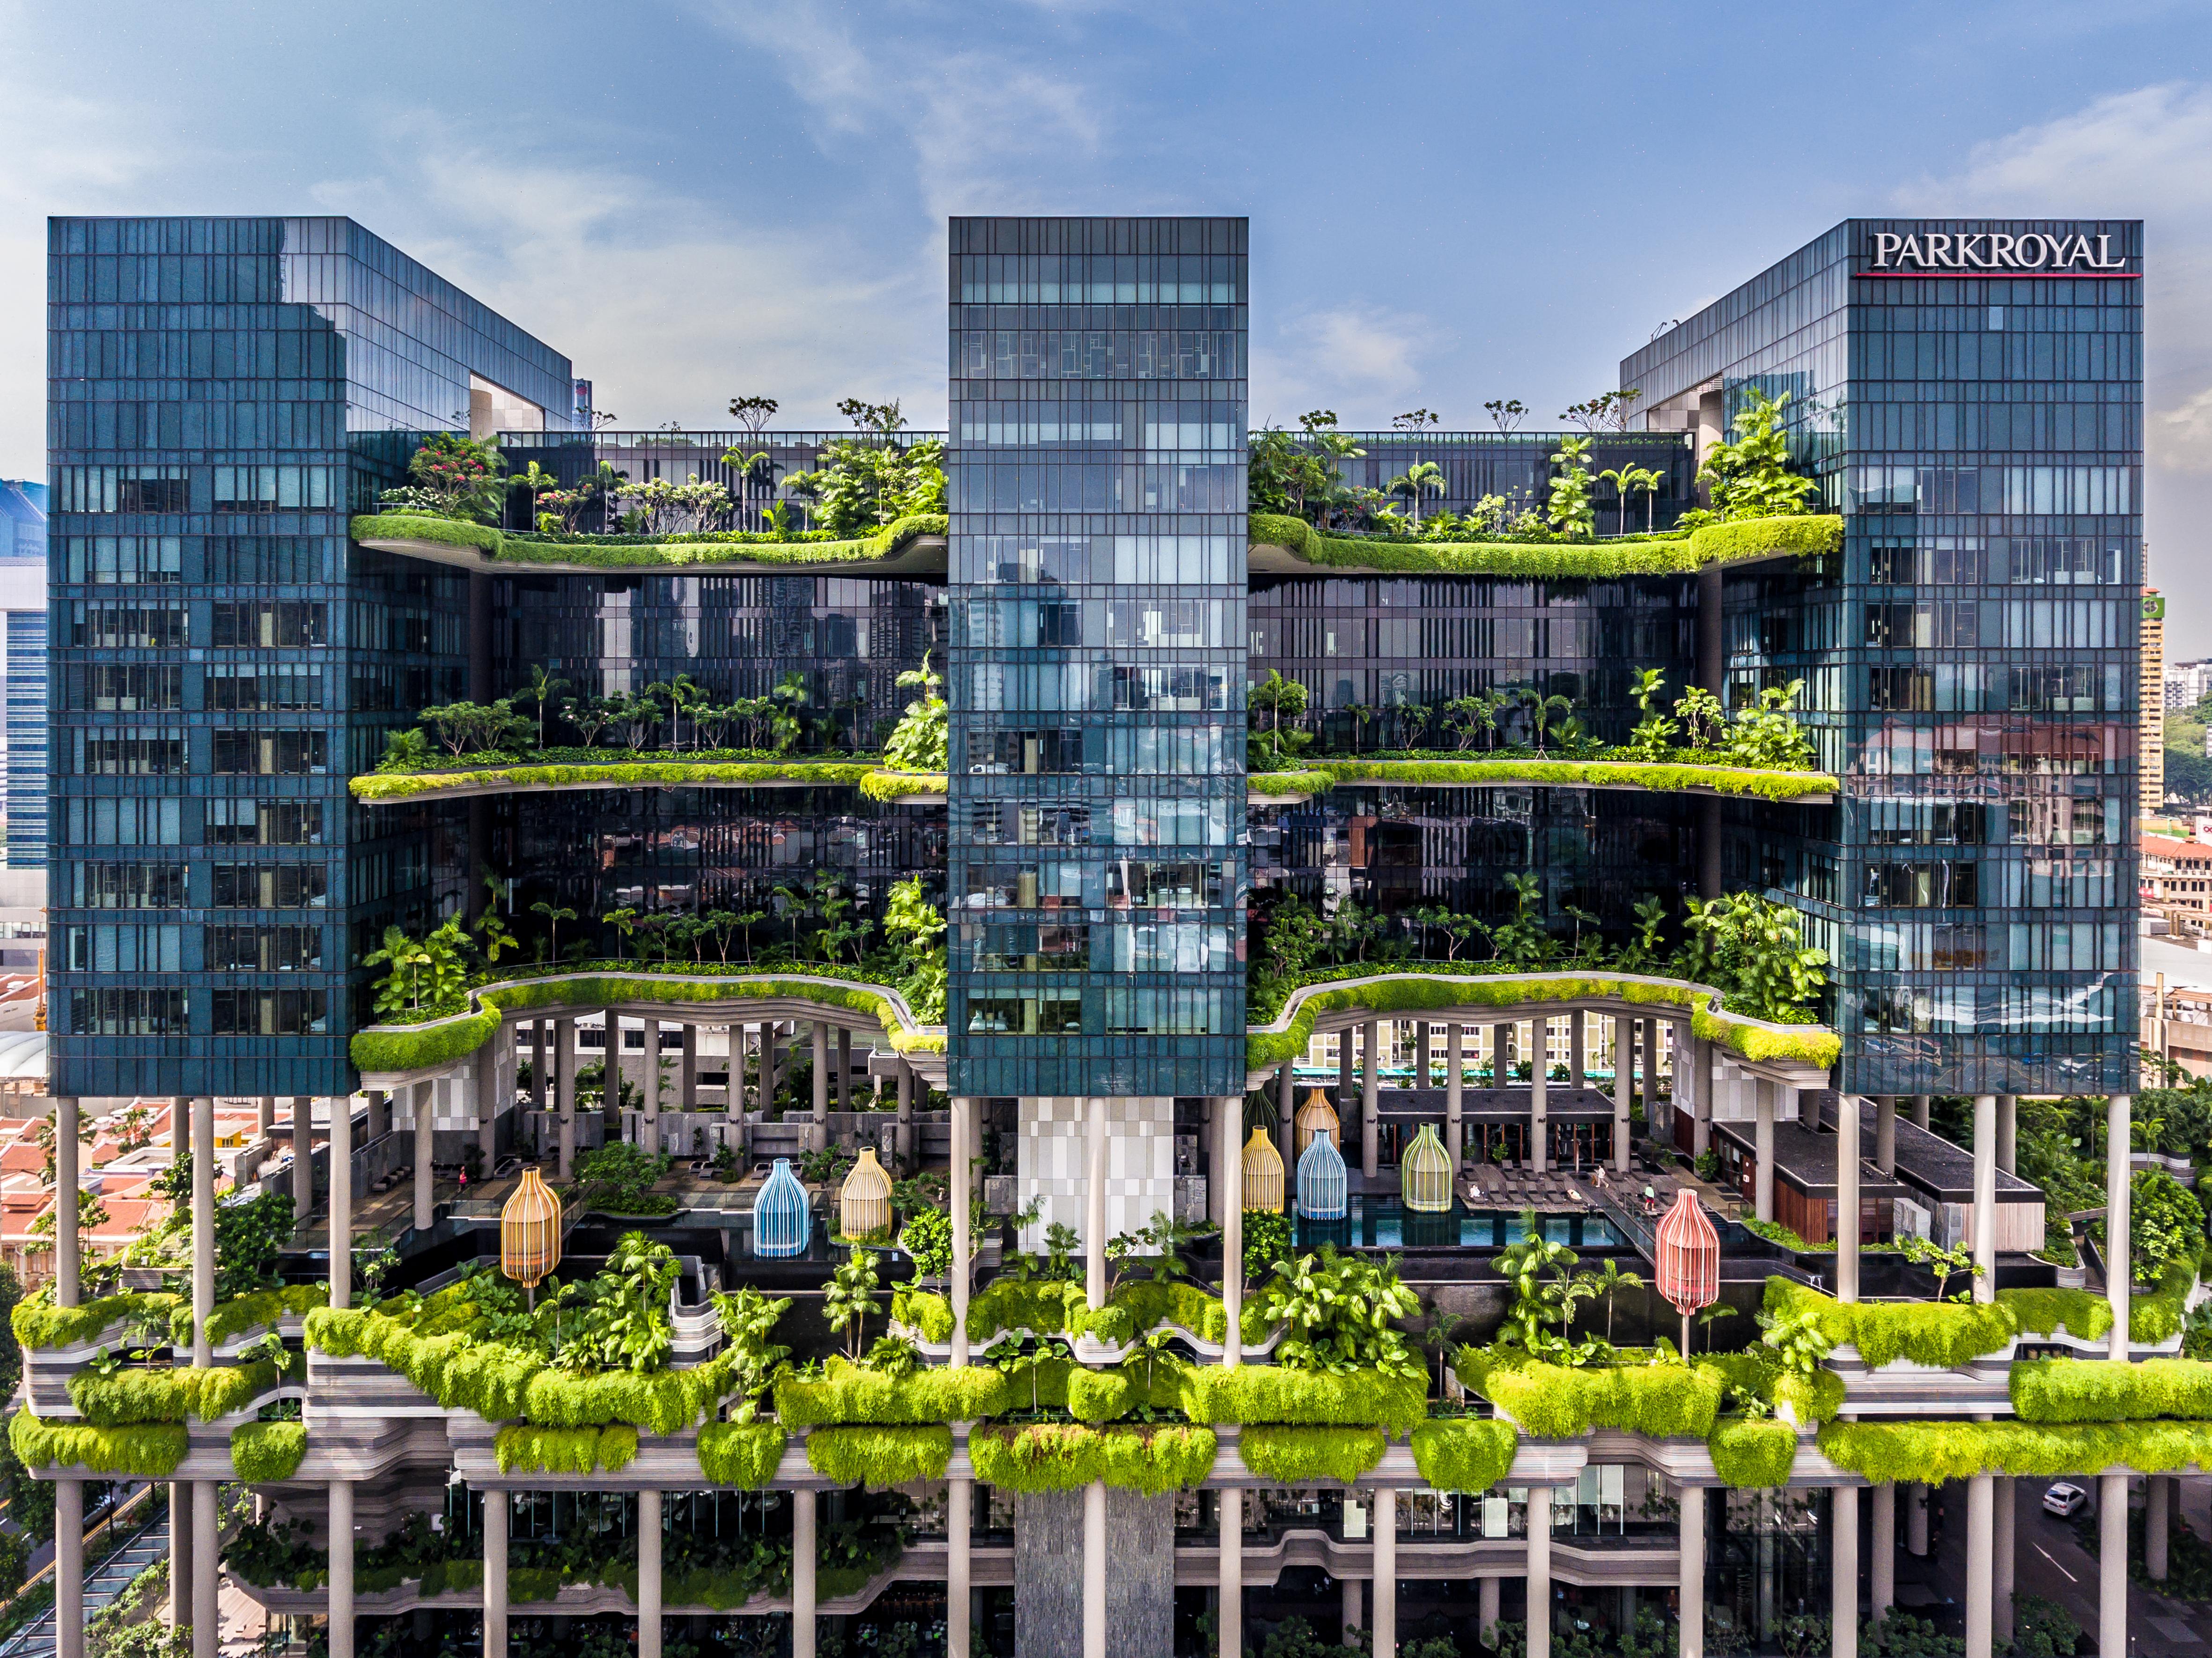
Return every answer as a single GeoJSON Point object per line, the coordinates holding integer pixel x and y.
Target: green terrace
{"type": "Point", "coordinates": [1316, 776]}
{"type": "Point", "coordinates": [1282, 545]}
{"type": "Point", "coordinates": [914, 545]}
{"type": "Point", "coordinates": [633, 771]}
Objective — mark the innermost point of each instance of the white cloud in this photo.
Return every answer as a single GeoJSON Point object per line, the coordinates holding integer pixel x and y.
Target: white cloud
{"type": "Point", "coordinates": [1353, 358]}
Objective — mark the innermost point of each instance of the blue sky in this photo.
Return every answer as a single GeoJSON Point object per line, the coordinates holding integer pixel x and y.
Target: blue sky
{"type": "Point", "coordinates": [1449, 204]}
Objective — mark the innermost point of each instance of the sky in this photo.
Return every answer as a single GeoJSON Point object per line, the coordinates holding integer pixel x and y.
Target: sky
{"type": "Point", "coordinates": [696, 199]}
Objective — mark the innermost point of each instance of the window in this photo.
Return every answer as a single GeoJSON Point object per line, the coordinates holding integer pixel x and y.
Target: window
{"type": "Point", "coordinates": [127, 886]}
{"type": "Point", "coordinates": [263, 949]}
{"type": "Point", "coordinates": [1945, 885]}
{"type": "Point", "coordinates": [268, 1012]}
{"type": "Point", "coordinates": [128, 751]}
{"type": "Point", "coordinates": [280, 624]}
{"type": "Point", "coordinates": [159, 625]}
{"type": "Point", "coordinates": [122, 559]}
{"type": "Point", "coordinates": [264, 822]}
{"type": "Point", "coordinates": [126, 822]}
{"type": "Point", "coordinates": [271, 753]}
{"type": "Point", "coordinates": [1044, 1015]}
{"type": "Point", "coordinates": [245, 687]}
{"type": "Point", "coordinates": [269, 886]}
{"type": "Point", "coordinates": [126, 687]}
{"type": "Point", "coordinates": [117, 949]}
{"type": "Point", "coordinates": [127, 1012]}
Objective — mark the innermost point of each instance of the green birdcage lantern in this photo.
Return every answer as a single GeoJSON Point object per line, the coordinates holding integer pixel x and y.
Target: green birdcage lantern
{"type": "Point", "coordinates": [1424, 1173]}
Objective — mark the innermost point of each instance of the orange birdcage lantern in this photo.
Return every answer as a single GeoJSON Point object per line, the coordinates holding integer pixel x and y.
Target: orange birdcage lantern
{"type": "Point", "coordinates": [1315, 1116]}
{"type": "Point", "coordinates": [1688, 1260]}
{"type": "Point", "coordinates": [530, 1232]}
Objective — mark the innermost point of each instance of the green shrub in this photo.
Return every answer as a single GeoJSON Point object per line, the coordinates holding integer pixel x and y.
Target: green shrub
{"type": "Point", "coordinates": [1298, 1456]}
{"type": "Point", "coordinates": [374, 787]}
{"type": "Point", "coordinates": [1944, 1335]}
{"type": "Point", "coordinates": [268, 1450]}
{"type": "Point", "coordinates": [1660, 777]}
{"type": "Point", "coordinates": [744, 1455]}
{"type": "Point", "coordinates": [1053, 1456]}
{"type": "Point", "coordinates": [565, 1450]}
{"type": "Point", "coordinates": [1101, 1395]}
{"type": "Point", "coordinates": [389, 1048]}
{"type": "Point", "coordinates": [1468, 1453]}
{"type": "Point", "coordinates": [847, 1394]}
{"type": "Point", "coordinates": [2159, 1316]}
{"type": "Point", "coordinates": [697, 548]}
{"type": "Point", "coordinates": [240, 1313]}
{"type": "Point", "coordinates": [924, 1311]}
{"type": "Point", "coordinates": [1936, 1451]}
{"type": "Point", "coordinates": [1807, 536]}
{"type": "Point", "coordinates": [879, 1456]}
{"type": "Point", "coordinates": [1551, 1401]}
{"type": "Point", "coordinates": [1268, 1393]}
{"type": "Point", "coordinates": [38, 1323]}
{"type": "Point", "coordinates": [2084, 1316]}
{"type": "Point", "coordinates": [1755, 1452]}
{"type": "Point", "coordinates": [129, 1395]}
{"type": "Point", "coordinates": [150, 1450]}
{"type": "Point", "coordinates": [411, 526]}
{"type": "Point", "coordinates": [893, 787]}
{"type": "Point", "coordinates": [2097, 1390]}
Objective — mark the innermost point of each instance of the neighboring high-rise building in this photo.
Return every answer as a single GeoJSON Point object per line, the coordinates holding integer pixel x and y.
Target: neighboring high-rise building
{"type": "Point", "coordinates": [2153, 702]}
{"type": "Point", "coordinates": [23, 601]}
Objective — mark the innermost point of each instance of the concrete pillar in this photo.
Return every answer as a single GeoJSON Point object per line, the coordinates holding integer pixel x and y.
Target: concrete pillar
{"type": "Point", "coordinates": [1624, 1089]}
{"type": "Point", "coordinates": [1762, 1186]}
{"type": "Point", "coordinates": [2113, 1553]}
{"type": "Point", "coordinates": [1578, 1059]}
{"type": "Point", "coordinates": [1691, 1632]}
{"type": "Point", "coordinates": [1920, 1107]}
{"type": "Point", "coordinates": [690, 1073]}
{"type": "Point", "coordinates": [1843, 1574]}
{"type": "Point", "coordinates": [1213, 1130]}
{"type": "Point", "coordinates": [1985, 1196]}
{"type": "Point", "coordinates": [2157, 1489]}
{"type": "Point", "coordinates": [844, 1069]}
{"type": "Point", "coordinates": [380, 1116]}
{"type": "Point", "coordinates": [69, 1274]}
{"type": "Point", "coordinates": [1885, 1134]}
{"type": "Point", "coordinates": [1881, 1551]}
{"type": "Point", "coordinates": [537, 1065]}
{"type": "Point", "coordinates": [1455, 1100]}
{"type": "Point", "coordinates": [648, 1574]}
{"type": "Point", "coordinates": [2119, 1271]}
{"type": "Point", "coordinates": [486, 1085]}
{"type": "Point", "coordinates": [495, 1573]}
{"type": "Point", "coordinates": [202, 1229]}
{"type": "Point", "coordinates": [2007, 1541]}
{"type": "Point", "coordinates": [1371, 1079]}
{"type": "Point", "coordinates": [264, 1115]}
{"type": "Point", "coordinates": [769, 1082]}
{"type": "Point", "coordinates": [1351, 1615]}
{"type": "Point", "coordinates": [1382, 1616]}
{"type": "Point", "coordinates": [1286, 1112]}
{"type": "Point", "coordinates": [1229, 1118]}
{"type": "Point", "coordinates": [1231, 1618]}
{"type": "Point", "coordinates": [1981, 1559]}
{"type": "Point", "coordinates": [1847, 1200]}
{"type": "Point", "coordinates": [341, 1571]}
{"type": "Point", "coordinates": [1701, 1092]}
{"type": "Point", "coordinates": [426, 1189]}
{"type": "Point", "coordinates": [803, 1560]}
{"type": "Point", "coordinates": [1539, 1122]}
{"type": "Point", "coordinates": [2009, 1133]}
{"type": "Point", "coordinates": [566, 1061]}
{"type": "Point", "coordinates": [1347, 1084]}
{"type": "Point", "coordinates": [1915, 1521]}
{"type": "Point", "coordinates": [207, 1616]}
{"type": "Point", "coordinates": [963, 1111]}
{"type": "Point", "coordinates": [303, 1158]}
{"type": "Point", "coordinates": [1094, 1215]}
{"type": "Point", "coordinates": [959, 1541]}
{"type": "Point", "coordinates": [180, 1554]}
{"type": "Point", "coordinates": [1501, 1055]}
{"type": "Point", "coordinates": [1654, 1123]}
{"type": "Point", "coordinates": [905, 1142]}
{"type": "Point", "coordinates": [1540, 1571]}
{"type": "Point", "coordinates": [68, 1567]}
{"type": "Point", "coordinates": [341, 1141]}
{"type": "Point", "coordinates": [1486, 1610]}
{"type": "Point", "coordinates": [821, 1085]}
{"type": "Point", "coordinates": [1421, 1054]}
{"type": "Point", "coordinates": [650, 1114]}
{"type": "Point", "coordinates": [1096, 1641]}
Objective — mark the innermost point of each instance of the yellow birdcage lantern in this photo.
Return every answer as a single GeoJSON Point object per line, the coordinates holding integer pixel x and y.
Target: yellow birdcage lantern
{"type": "Point", "coordinates": [1424, 1173]}
{"type": "Point", "coordinates": [530, 1231]}
{"type": "Point", "coordinates": [864, 1201]}
{"type": "Point", "coordinates": [1263, 1173]}
{"type": "Point", "coordinates": [1315, 1115]}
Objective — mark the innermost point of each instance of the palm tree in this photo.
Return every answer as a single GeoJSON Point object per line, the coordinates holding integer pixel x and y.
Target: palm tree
{"type": "Point", "coordinates": [1422, 477]}
{"type": "Point", "coordinates": [1541, 710]}
{"type": "Point", "coordinates": [542, 684]}
{"type": "Point", "coordinates": [1607, 1281]}
{"type": "Point", "coordinates": [1628, 480]}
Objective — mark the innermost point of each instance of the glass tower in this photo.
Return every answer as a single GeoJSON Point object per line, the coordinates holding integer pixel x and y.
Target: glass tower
{"type": "Point", "coordinates": [1970, 659]}
{"type": "Point", "coordinates": [221, 391]}
{"type": "Point", "coordinates": [1096, 671]}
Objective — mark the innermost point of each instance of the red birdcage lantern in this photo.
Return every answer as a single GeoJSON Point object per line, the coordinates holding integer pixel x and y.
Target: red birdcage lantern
{"type": "Point", "coordinates": [1689, 1259]}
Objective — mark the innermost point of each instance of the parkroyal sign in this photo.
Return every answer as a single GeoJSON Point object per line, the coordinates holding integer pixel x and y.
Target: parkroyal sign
{"type": "Point", "coordinates": [1993, 250]}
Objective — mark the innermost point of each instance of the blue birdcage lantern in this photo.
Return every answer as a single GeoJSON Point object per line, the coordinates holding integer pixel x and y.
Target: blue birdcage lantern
{"type": "Point", "coordinates": [1324, 1188]}
{"type": "Point", "coordinates": [783, 1222]}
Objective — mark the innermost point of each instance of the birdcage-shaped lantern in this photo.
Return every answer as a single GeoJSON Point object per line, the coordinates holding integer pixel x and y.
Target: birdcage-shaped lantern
{"type": "Point", "coordinates": [864, 1201]}
{"type": "Point", "coordinates": [1424, 1173]}
{"type": "Point", "coordinates": [1688, 1260]}
{"type": "Point", "coordinates": [1263, 1173]}
{"type": "Point", "coordinates": [530, 1231]}
{"type": "Point", "coordinates": [1315, 1115]}
{"type": "Point", "coordinates": [1324, 1189]}
{"type": "Point", "coordinates": [783, 1221]}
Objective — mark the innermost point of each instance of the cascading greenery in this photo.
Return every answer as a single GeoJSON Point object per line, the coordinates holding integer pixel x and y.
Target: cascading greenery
{"type": "Point", "coordinates": [1753, 1452]}
{"type": "Point", "coordinates": [533, 1450]}
{"type": "Point", "coordinates": [1067, 1456]}
{"type": "Point", "coordinates": [744, 1455]}
{"type": "Point", "coordinates": [123, 1396]}
{"type": "Point", "coordinates": [263, 1451]}
{"type": "Point", "coordinates": [1938, 1451]}
{"type": "Point", "coordinates": [879, 1456]}
{"type": "Point", "coordinates": [38, 1323]}
{"type": "Point", "coordinates": [1298, 1456]}
{"type": "Point", "coordinates": [2051, 1390]}
{"type": "Point", "coordinates": [1465, 1453]}
{"type": "Point", "coordinates": [151, 1450]}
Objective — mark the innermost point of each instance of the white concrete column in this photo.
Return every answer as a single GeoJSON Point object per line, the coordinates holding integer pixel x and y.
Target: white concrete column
{"type": "Point", "coordinates": [1624, 1090]}
{"type": "Point", "coordinates": [207, 1546]}
{"type": "Point", "coordinates": [963, 1109]}
{"type": "Point", "coordinates": [844, 1068]}
{"type": "Point", "coordinates": [649, 1117]}
{"type": "Point", "coordinates": [1701, 1092]}
{"type": "Point", "coordinates": [2156, 1511]}
{"type": "Point", "coordinates": [264, 1115]}
{"type": "Point", "coordinates": [2118, 1271]}
{"type": "Point", "coordinates": [1371, 1079]}
{"type": "Point", "coordinates": [959, 1541]}
{"type": "Point", "coordinates": [1420, 1053]}
{"type": "Point", "coordinates": [1231, 1618]}
{"type": "Point", "coordinates": [1915, 1521]}
{"type": "Point", "coordinates": [69, 1566]}
{"type": "Point", "coordinates": [180, 1553]}
{"type": "Point", "coordinates": [1985, 1196]}
{"type": "Point", "coordinates": [426, 1187]}
{"type": "Point", "coordinates": [1881, 1551]}
{"type": "Point", "coordinates": [202, 1231]}
{"type": "Point", "coordinates": [1382, 1616]}
{"type": "Point", "coordinates": [1486, 1610]}
{"type": "Point", "coordinates": [821, 1085]}
{"type": "Point", "coordinates": [1843, 1574]}
{"type": "Point", "coordinates": [537, 1063]}
{"type": "Point", "coordinates": [68, 1274]}
{"type": "Point", "coordinates": [1096, 1641]}
{"type": "Point", "coordinates": [1094, 1210]}
{"type": "Point", "coordinates": [1762, 1178]}
{"type": "Point", "coordinates": [2008, 1133]}
{"type": "Point", "coordinates": [1578, 1060]}
{"type": "Point", "coordinates": [1920, 1109]}
{"type": "Point", "coordinates": [568, 1060]}
{"type": "Point", "coordinates": [1981, 1559]}
{"type": "Point", "coordinates": [905, 1142]}
{"type": "Point", "coordinates": [1539, 1553]}
{"type": "Point", "coordinates": [1692, 1583]}
{"type": "Point", "coordinates": [1229, 1119]}
{"type": "Point", "coordinates": [648, 1564]}
{"type": "Point", "coordinates": [1350, 1614]}
{"type": "Point", "coordinates": [1540, 1118]}
{"type": "Point", "coordinates": [1847, 1202]}
{"type": "Point", "coordinates": [2006, 1545]}
{"type": "Point", "coordinates": [303, 1158]}
{"type": "Point", "coordinates": [803, 1561]}
{"type": "Point", "coordinates": [1885, 1134]}
{"type": "Point", "coordinates": [341, 1140]}
{"type": "Point", "coordinates": [2112, 1558]}
{"type": "Point", "coordinates": [1455, 1100]}
{"type": "Point", "coordinates": [341, 1570]}
{"type": "Point", "coordinates": [495, 1570]}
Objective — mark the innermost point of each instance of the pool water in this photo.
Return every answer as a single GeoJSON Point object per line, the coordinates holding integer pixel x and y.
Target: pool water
{"type": "Point", "coordinates": [1386, 1224]}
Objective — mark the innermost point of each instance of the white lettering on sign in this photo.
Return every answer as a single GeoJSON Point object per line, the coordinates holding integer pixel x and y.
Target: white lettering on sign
{"type": "Point", "coordinates": [1987, 250]}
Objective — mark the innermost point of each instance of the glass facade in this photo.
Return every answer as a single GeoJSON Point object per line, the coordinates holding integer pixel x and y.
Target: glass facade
{"type": "Point", "coordinates": [220, 392]}
{"type": "Point", "coordinates": [1971, 661]}
{"type": "Point", "coordinates": [26, 739]}
{"type": "Point", "coordinates": [1097, 473]}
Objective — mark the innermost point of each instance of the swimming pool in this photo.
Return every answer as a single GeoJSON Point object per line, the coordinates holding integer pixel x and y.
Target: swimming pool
{"type": "Point", "coordinates": [1376, 1223]}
